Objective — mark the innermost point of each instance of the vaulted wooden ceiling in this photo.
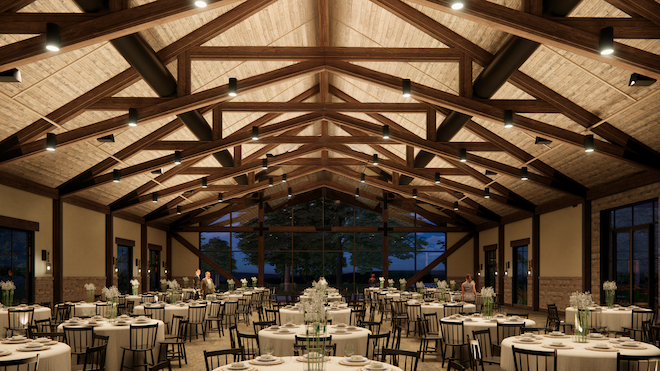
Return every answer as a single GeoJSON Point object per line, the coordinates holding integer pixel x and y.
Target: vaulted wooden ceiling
{"type": "Point", "coordinates": [321, 78]}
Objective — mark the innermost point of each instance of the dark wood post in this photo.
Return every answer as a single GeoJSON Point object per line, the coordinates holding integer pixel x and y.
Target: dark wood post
{"type": "Point", "coordinates": [109, 250]}
{"type": "Point", "coordinates": [58, 252]}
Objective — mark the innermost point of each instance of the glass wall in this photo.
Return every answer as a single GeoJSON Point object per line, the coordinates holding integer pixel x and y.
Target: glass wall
{"type": "Point", "coordinates": [15, 256]}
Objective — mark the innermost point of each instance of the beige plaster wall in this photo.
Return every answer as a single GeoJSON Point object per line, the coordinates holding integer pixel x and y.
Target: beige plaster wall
{"type": "Point", "coordinates": [560, 241]}
{"type": "Point", "coordinates": [159, 237]}
{"type": "Point", "coordinates": [461, 262]}
{"type": "Point", "coordinates": [28, 206]}
{"type": "Point", "coordinates": [130, 231]}
{"type": "Point", "coordinates": [184, 262]}
{"type": "Point", "coordinates": [517, 231]}
{"type": "Point", "coordinates": [84, 242]}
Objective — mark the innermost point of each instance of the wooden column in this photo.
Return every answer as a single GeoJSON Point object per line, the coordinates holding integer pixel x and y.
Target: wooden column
{"type": "Point", "coordinates": [168, 254]}
{"type": "Point", "coordinates": [58, 252]}
{"type": "Point", "coordinates": [261, 244]}
{"type": "Point", "coordinates": [109, 250]}
{"type": "Point", "coordinates": [586, 245]}
{"type": "Point", "coordinates": [500, 263]}
{"type": "Point", "coordinates": [475, 267]}
{"type": "Point", "coordinates": [536, 248]}
{"type": "Point", "coordinates": [144, 256]}
{"type": "Point", "coordinates": [386, 248]}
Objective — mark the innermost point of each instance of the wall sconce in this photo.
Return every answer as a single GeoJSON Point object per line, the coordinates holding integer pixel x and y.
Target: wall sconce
{"type": "Point", "coordinates": [529, 267]}
{"type": "Point", "coordinates": [114, 264]}
{"type": "Point", "coordinates": [45, 255]}
{"type": "Point", "coordinates": [506, 271]}
{"type": "Point", "coordinates": [481, 267]}
{"type": "Point", "coordinates": [137, 264]}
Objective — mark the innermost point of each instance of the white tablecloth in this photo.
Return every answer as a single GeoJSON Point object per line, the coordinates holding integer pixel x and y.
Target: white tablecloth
{"type": "Point", "coordinates": [478, 323]}
{"type": "Point", "coordinates": [439, 309]}
{"type": "Point", "coordinates": [330, 297]}
{"type": "Point", "coordinates": [613, 319]}
{"type": "Point", "coordinates": [577, 358]}
{"type": "Point", "coordinates": [39, 313]}
{"type": "Point", "coordinates": [341, 315]}
{"type": "Point", "coordinates": [120, 337]}
{"type": "Point", "coordinates": [283, 343]}
{"type": "Point", "coordinates": [138, 299]}
{"type": "Point", "coordinates": [290, 364]}
{"type": "Point", "coordinates": [57, 358]}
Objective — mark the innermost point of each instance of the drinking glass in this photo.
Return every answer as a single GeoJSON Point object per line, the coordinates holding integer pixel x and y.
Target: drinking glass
{"type": "Point", "coordinates": [269, 349]}
{"type": "Point", "coordinates": [349, 350]}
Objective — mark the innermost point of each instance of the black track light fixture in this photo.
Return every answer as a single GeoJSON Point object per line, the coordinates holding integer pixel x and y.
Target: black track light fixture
{"type": "Point", "coordinates": [220, 197]}
{"type": "Point", "coordinates": [437, 178]}
{"type": "Point", "coordinates": [51, 141]}
{"type": "Point", "coordinates": [154, 197]}
{"type": "Point", "coordinates": [290, 192]}
{"type": "Point", "coordinates": [405, 87]}
{"type": "Point", "coordinates": [177, 157]}
{"type": "Point", "coordinates": [13, 75]}
{"type": "Point", "coordinates": [270, 182]}
{"type": "Point", "coordinates": [414, 192]}
{"type": "Point", "coordinates": [255, 133]}
{"type": "Point", "coordinates": [463, 155]}
{"type": "Point", "coordinates": [205, 182]}
{"type": "Point", "coordinates": [524, 174]}
{"type": "Point", "coordinates": [233, 87]}
{"type": "Point", "coordinates": [455, 205]}
{"type": "Point", "coordinates": [284, 178]}
{"type": "Point", "coordinates": [132, 117]}
{"type": "Point", "coordinates": [540, 140]}
{"type": "Point", "coordinates": [589, 143]}
{"type": "Point", "coordinates": [606, 41]}
{"type": "Point", "coordinates": [116, 175]}
{"type": "Point", "coordinates": [53, 37]}
{"type": "Point", "coordinates": [386, 132]}
{"type": "Point", "coordinates": [363, 178]}
{"type": "Point", "coordinates": [178, 210]}
{"type": "Point", "coordinates": [357, 192]}
{"type": "Point", "coordinates": [264, 164]}
{"type": "Point", "coordinates": [508, 119]}
{"type": "Point", "coordinates": [374, 159]}
{"type": "Point", "coordinates": [640, 80]}
{"type": "Point", "coordinates": [486, 192]}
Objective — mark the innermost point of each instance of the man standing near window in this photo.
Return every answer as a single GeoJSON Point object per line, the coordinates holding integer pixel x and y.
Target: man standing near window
{"type": "Point", "coordinates": [197, 279]}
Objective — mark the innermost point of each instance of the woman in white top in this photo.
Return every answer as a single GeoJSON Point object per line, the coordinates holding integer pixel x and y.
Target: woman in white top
{"type": "Point", "coordinates": [468, 291]}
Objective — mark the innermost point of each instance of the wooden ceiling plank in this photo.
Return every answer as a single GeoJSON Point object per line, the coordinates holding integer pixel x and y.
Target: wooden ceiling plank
{"type": "Point", "coordinates": [624, 28]}
{"type": "Point", "coordinates": [159, 111]}
{"type": "Point", "coordinates": [545, 31]}
{"type": "Point", "coordinates": [320, 53]}
{"type": "Point", "coordinates": [14, 5]}
{"type": "Point", "coordinates": [105, 28]}
{"type": "Point", "coordinates": [648, 9]}
{"type": "Point", "coordinates": [130, 76]}
{"type": "Point", "coordinates": [283, 107]}
{"type": "Point", "coordinates": [35, 23]}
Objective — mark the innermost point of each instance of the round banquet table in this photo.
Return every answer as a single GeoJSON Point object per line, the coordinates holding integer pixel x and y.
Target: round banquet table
{"type": "Point", "coordinates": [339, 315]}
{"type": "Point", "coordinates": [478, 323]}
{"type": "Point", "coordinates": [120, 337]}
{"type": "Point", "coordinates": [82, 309]}
{"type": "Point", "coordinates": [283, 343]}
{"type": "Point", "coordinates": [172, 309]}
{"type": "Point", "coordinates": [614, 319]}
{"type": "Point", "coordinates": [39, 313]}
{"type": "Point", "coordinates": [138, 299]}
{"type": "Point", "coordinates": [57, 358]}
{"type": "Point", "coordinates": [291, 364]}
{"type": "Point", "coordinates": [330, 297]}
{"type": "Point", "coordinates": [439, 308]}
{"type": "Point", "coordinates": [578, 358]}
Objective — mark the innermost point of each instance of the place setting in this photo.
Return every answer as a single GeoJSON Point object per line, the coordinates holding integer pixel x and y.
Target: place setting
{"type": "Point", "coordinates": [601, 347]}
{"type": "Point", "coordinates": [267, 358]}
{"type": "Point", "coordinates": [238, 366]}
{"type": "Point", "coordinates": [527, 338]}
{"type": "Point", "coordinates": [352, 359]}
{"type": "Point", "coordinates": [313, 357]}
{"type": "Point", "coordinates": [557, 334]}
{"type": "Point", "coordinates": [557, 344]}
{"type": "Point", "coordinates": [16, 339]}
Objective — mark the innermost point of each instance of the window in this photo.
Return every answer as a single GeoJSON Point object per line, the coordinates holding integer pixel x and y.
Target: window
{"type": "Point", "coordinates": [630, 252]}
{"type": "Point", "coordinates": [154, 269]}
{"type": "Point", "coordinates": [124, 268]}
{"type": "Point", "coordinates": [16, 250]}
{"type": "Point", "coordinates": [520, 269]}
{"type": "Point", "coordinates": [491, 267]}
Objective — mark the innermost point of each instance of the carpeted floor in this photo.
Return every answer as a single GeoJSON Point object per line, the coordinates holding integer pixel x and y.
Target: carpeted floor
{"type": "Point", "coordinates": [196, 348]}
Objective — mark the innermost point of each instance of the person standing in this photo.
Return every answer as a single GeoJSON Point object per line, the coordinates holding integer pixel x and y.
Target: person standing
{"type": "Point", "coordinates": [197, 279]}
{"type": "Point", "coordinates": [205, 283]}
{"type": "Point", "coordinates": [372, 280]}
{"type": "Point", "coordinates": [468, 291]}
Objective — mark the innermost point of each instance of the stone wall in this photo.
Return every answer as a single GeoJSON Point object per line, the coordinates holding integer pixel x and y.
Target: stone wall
{"type": "Point", "coordinates": [74, 289]}
{"type": "Point", "coordinates": [557, 290]}
{"type": "Point", "coordinates": [43, 290]}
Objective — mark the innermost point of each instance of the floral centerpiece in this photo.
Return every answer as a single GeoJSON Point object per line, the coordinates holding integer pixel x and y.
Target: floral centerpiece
{"type": "Point", "coordinates": [382, 281]}
{"type": "Point", "coordinates": [442, 290]}
{"type": "Point", "coordinates": [254, 281]}
{"type": "Point", "coordinates": [420, 286]}
{"type": "Point", "coordinates": [390, 282]}
{"type": "Point", "coordinates": [174, 289]}
{"type": "Point", "coordinates": [316, 324]}
{"type": "Point", "coordinates": [163, 285]}
{"type": "Point", "coordinates": [90, 289]}
{"type": "Point", "coordinates": [185, 282]}
{"type": "Point", "coordinates": [8, 288]}
{"type": "Point", "coordinates": [610, 293]}
{"type": "Point", "coordinates": [488, 296]}
{"type": "Point", "coordinates": [134, 286]}
{"type": "Point", "coordinates": [112, 299]}
{"type": "Point", "coordinates": [403, 283]}
{"type": "Point", "coordinates": [581, 301]}
{"type": "Point", "coordinates": [244, 282]}
{"type": "Point", "coordinates": [452, 284]}
{"type": "Point", "coordinates": [231, 285]}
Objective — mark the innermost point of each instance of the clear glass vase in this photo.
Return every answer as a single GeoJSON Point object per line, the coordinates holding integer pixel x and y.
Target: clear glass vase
{"type": "Point", "coordinates": [609, 298]}
{"type": "Point", "coordinates": [581, 329]}
{"type": "Point", "coordinates": [134, 290]}
{"type": "Point", "coordinates": [488, 308]}
{"type": "Point", "coordinates": [90, 296]}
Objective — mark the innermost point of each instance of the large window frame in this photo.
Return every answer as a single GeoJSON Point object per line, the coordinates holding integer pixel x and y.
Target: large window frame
{"type": "Point", "coordinates": [17, 271]}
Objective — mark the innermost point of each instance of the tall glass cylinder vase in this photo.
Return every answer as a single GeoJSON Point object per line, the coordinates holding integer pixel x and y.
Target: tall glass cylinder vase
{"type": "Point", "coordinates": [11, 297]}
{"type": "Point", "coordinates": [5, 298]}
{"type": "Point", "coordinates": [488, 308]}
{"type": "Point", "coordinates": [173, 296]}
{"type": "Point", "coordinates": [581, 326]}
{"type": "Point", "coordinates": [381, 284]}
{"type": "Point", "coordinates": [403, 287]}
{"type": "Point", "coordinates": [442, 295]}
{"type": "Point", "coordinates": [134, 290]}
{"type": "Point", "coordinates": [90, 296]}
{"type": "Point", "coordinates": [609, 298]}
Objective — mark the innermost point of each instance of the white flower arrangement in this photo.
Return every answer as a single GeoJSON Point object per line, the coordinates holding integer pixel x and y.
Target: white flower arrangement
{"type": "Point", "coordinates": [419, 284]}
{"type": "Point", "coordinates": [436, 280]}
{"type": "Point", "coordinates": [185, 279]}
{"type": "Point", "coordinates": [243, 282]}
{"type": "Point", "coordinates": [609, 286]}
{"type": "Point", "coordinates": [174, 285]}
{"type": "Point", "coordinates": [314, 308]}
{"type": "Point", "coordinates": [402, 281]}
{"type": "Point", "coordinates": [581, 300]}
{"type": "Point", "coordinates": [442, 285]}
{"type": "Point", "coordinates": [254, 278]}
{"type": "Point", "coordinates": [135, 283]}
{"type": "Point", "coordinates": [390, 281]}
{"type": "Point", "coordinates": [381, 279]}
{"type": "Point", "coordinates": [230, 282]}
{"type": "Point", "coordinates": [163, 282]}
{"type": "Point", "coordinates": [90, 287]}
{"type": "Point", "coordinates": [487, 292]}
{"type": "Point", "coordinates": [452, 283]}
{"type": "Point", "coordinates": [8, 285]}
{"type": "Point", "coordinates": [110, 293]}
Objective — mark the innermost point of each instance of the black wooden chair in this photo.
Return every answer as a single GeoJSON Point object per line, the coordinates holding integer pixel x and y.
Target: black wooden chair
{"type": "Point", "coordinates": [404, 359]}
{"type": "Point", "coordinates": [217, 358]}
{"type": "Point", "coordinates": [250, 345]}
{"type": "Point", "coordinates": [537, 360]}
{"type": "Point", "coordinates": [26, 364]}
{"type": "Point", "coordinates": [453, 336]}
{"type": "Point", "coordinates": [165, 365]}
{"type": "Point", "coordinates": [142, 341]}
{"type": "Point", "coordinates": [79, 339]}
{"type": "Point", "coordinates": [94, 359]}
{"type": "Point", "coordinates": [636, 363]}
{"type": "Point", "coordinates": [375, 345]}
{"type": "Point", "coordinates": [215, 316]}
{"type": "Point", "coordinates": [174, 346]}
{"type": "Point", "coordinates": [19, 320]}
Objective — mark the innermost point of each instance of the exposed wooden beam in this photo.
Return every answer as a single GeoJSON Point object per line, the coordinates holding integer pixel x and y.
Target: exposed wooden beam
{"type": "Point", "coordinates": [35, 23]}
{"type": "Point", "coordinates": [156, 112]}
{"type": "Point", "coordinates": [624, 28]}
{"type": "Point", "coordinates": [183, 84]}
{"type": "Point", "coordinates": [419, 275]}
{"type": "Point", "coordinates": [321, 53]}
{"type": "Point", "coordinates": [203, 256]}
{"type": "Point", "coordinates": [13, 5]}
{"type": "Point", "coordinates": [130, 76]}
{"type": "Point", "coordinates": [545, 31]}
{"type": "Point", "coordinates": [105, 28]}
{"type": "Point", "coordinates": [324, 22]}
{"type": "Point", "coordinates": [322, 107]}
{"type": "Point", "coordinates": [648, 9]}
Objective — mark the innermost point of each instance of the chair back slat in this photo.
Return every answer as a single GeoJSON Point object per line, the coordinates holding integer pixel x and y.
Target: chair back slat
{"type": "Point", "coordinates": [534, 360]}
{"type": "Point", "coordinates": [217, 358]}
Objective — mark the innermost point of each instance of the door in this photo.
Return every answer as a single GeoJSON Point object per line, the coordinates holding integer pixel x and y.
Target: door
{"type": "Point", "coordinates": [491, 267]}
{"type": "Point", "coordinates": [154, 270]}
{"type": "Point", "coordinates": [16, 253]}
{"type": "Point", "coordinates": [520, 275]}
{"type": "Point", "coordinates": [124, 268]}
{"type": "Point", "coordinates": [636, 265]}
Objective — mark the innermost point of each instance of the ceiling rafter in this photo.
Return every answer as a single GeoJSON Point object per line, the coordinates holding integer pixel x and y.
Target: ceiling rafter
{"type": "Point", "coordinates": [648, 9]}
{"type": "Point", "coordinates": [130, 75]}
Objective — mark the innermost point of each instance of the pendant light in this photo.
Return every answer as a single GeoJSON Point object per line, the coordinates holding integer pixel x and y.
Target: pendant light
{"type": "Point", "coordinates": [290, 192]}
{"type": "Point", "coordinates": [201, 3]}
{"type": "Point", "coordinates": [589, 143]}
{"type": "Point", "coordinates": [177, 157]}
{"type": "Point", "coordinates": [414, 192]}
{"type": "Point", "coordinates": [606, 41]}
{"type": "Point", "coordinates": [178, 210]}
{"type": "Point", "coordinates": [362, 178]}
{"type": "Point", "coordinates": [132, 117]}
{"type": "Point", "coordinates": [508, 119]}
{"type": "Point", "coordinates": [457, 4]}
{"type": "Point", "coordinates": [270, 182]}
{"type": "Point", "coordinates": [255, 133]}
{"type": "Point", "coordinates": [357, 192]}
{"type": "Point", "coordinates": [455, 205]}
{"type": "Point", "coordinates": [154, 197]}
{"type": "Point", "coordinates": [437, 178]}
{"type": "Point", "coordinates": [220, 197]}
{"type": "Point", "coordinates": [463, 155]}
{"type": "Point", "coordinates": [116, 175]}
{"type": "Point", "coordinates": [264, 164]}
{"type": "Point", "coordinates": [486, 192]}
{"type": "Point", "coordinates": [53, 37]}
{"type": "Point", "coordinates": [374, 159]}
{"type": "Point", "coordinates": [524, 175]}
{"type": "Point", "coordinates": [205, 182]}
{"type": "Point", "coordinates": [284, 178]}
{"type": "Point", "coordinates": [233, 87]}
{"type": "Point", "coordinates": [386, 132]}
{"type": "Point", "coordinates": [405, 87]}
{"type": "Point", "coordinates": [51, 141]}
